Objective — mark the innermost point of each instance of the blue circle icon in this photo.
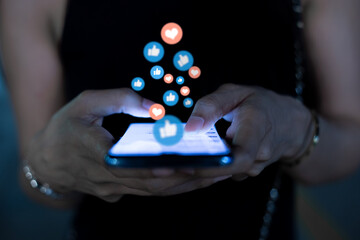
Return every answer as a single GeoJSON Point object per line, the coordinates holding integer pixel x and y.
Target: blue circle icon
{"type": "Point", "coordinates": [169, 130]}
{"type": "Point", "coordinates": [157, 72]}
{"type": "Point", "coordinates": [188, 102]}
{"type": "Point", "coordinates": [153, 51]}
{"type": "Point", "coordinates": [180, 80]}
{"type": "Point", "coordinates": [183, 60]}
{"type": "Point", "coordinates": [138, 84]}
{"type": "Point", "coordinates": [170, 98]}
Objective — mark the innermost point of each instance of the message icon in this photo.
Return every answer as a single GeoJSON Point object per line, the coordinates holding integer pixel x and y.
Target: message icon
{"type": "Point", "coordinates": [157, 72]}
{"type": "Point", "coordinates": [170, 98]}
{"type": "Point", "coordinates": [157, 111]}
{"type": "Point", "coordinates": [171, 33]}
{"type": "Point", "coordinates": [138, 84]}
{"type": "Point", "coordinates": [183, 60]}
{"type": "Point", "coordinates": [153, 52]}
{"type": "Point", "coordinates": [169, 130]}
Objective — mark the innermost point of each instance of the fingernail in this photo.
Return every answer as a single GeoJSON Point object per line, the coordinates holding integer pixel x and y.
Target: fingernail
{"type": "Point", "coordinates": [218, 179]}
{"type": "Point", "coordinates": [194, 124]}
{"type": "Point", "coordinates": [162, 172]}
{"type": "Point", "coordinates": [147, 103]}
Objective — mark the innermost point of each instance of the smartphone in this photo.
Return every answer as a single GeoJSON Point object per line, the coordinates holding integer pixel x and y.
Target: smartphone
{"type": "Point", "coordinates": [138, 148]}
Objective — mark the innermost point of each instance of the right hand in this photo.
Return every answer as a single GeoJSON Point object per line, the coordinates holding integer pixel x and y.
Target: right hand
{"type": "Point", "coordinates": [68, 153]}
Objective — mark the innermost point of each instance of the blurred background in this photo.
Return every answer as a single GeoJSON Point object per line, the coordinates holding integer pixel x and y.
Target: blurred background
{"type": "Point", "coordinates": [328, 212]}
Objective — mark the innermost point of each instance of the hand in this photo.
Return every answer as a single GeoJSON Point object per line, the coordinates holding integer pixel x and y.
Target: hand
{"type": "Point", "coordinates": [265, 127]}
{"type": "Point", "coordinates": [68, 153]}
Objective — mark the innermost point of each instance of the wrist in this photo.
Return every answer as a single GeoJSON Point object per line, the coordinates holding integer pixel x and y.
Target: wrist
{"type": "Point", "coordinates": [311, 140]}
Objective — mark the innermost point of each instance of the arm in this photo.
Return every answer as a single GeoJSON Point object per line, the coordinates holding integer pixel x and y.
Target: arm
{"type": "Point", "coordinates": [32, 68]}
{"type": "Point", "coordinates": [332, 31]}
{"type": "Point", "coordinates": [65, 144]}
{"type": "Point", "coordinates": [266, 126]}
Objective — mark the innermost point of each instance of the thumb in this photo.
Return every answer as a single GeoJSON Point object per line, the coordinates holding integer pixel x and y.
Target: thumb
{"type": "Point", "coordinates": [154, 47]}
{"type": "Point", "coordinates": [100, 103]}
{"type": "Point", "coordinates": [209, 109]}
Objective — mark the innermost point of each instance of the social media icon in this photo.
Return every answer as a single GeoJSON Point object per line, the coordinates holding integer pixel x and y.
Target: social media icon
{"type": "Point", "coordinates": [184, 91]}
{"type": "Point", "coordinates": [157, 72]}
{"type": "Point", "coordinates": [188, 102]}
{"type": "Point", "coordinates": [168, 78]}
{"type": "Point", "coordinates": [153, 52]}
{"type": "Point", "coordinates": [194, 72]}
{"type": "Point", "coordinates": [183, 60]}
{"type": "Point", "coordinates": [171, 33]}
{"type": "Point", "coordinates": [169, 130]}
{"type": "Point", "coordinates": [180, 80]}
{"type": "Point", "coordinates": [157, 111]}
{"type": "Point", "coordinates": [138, 84]}
{"type": "Point", "coordinates": [170, 98]}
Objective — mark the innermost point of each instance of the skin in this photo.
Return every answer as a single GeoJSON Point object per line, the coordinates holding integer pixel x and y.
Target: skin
{"type": "Point", "coordinates": [65, 143]}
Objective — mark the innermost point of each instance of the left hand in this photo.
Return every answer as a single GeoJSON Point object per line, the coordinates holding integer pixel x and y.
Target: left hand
{"type": "Point", "coordinates": [265, 127]}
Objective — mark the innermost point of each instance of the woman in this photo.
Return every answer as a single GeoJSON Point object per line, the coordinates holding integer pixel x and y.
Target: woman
{"type": "Point", "coordinates": [53, 51]}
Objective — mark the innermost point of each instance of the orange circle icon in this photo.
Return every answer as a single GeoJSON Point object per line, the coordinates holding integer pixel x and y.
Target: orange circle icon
{"type": "Point", "coordinates": [194, 72]}
{"type": "Point", "coordinates": [157, 111]}
{"type": "Point", "coordinates": [184, 91]}
{"type": "Point", "coordinates": [168, 78]}
{"type": "Point", "coordinates": [171, 33]}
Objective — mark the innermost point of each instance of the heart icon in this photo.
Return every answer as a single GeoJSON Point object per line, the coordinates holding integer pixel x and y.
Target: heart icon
{"type": "Point", "coordinates": [185, 91]}
{"type": "Point", "coordinates": [171, 33]}
{"type": "Point", "coordinates": [157, 111]}
{"type": "Point", "coordinates": [194, 72]}
{"type": "Point", "coordinates": [168, 78]}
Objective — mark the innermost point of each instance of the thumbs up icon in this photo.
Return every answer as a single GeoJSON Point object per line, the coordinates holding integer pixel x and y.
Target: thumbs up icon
{"type": "Point", "coordinates": [138, 84]}
{"type": "Point", "coordinates": [169, 130]}
{"type": "Point", "coordinates": [170, 97]}
{"type": "Point", "coordinates": [183, 60]}
{"type": "Point", "coordinates": [153, 52]}
{"type": "Point", "coordinates": [157, 72]}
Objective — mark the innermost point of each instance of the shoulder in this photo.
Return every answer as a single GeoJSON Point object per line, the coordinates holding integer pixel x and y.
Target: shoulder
{"type": "Point", "coordinates": [41, 16]}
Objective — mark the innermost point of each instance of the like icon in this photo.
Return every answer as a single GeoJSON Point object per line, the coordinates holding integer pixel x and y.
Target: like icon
{"type": "Point", "coordinates": [170, 98]}
{"type": "Point", "coordinates": [153, 52]}
{"type": "Point", "coordinates": [157, 72]}
{"type": "Point", "coordinates": [183, 60]}
{"type": "Point", "coordinates": [138, 84]}
{"type": "Point", "coordinates": [180, 80]}
{"type": "Point", "coordinates": [188, 102]}
{"type": "Point", "coordinates": [169, 130]}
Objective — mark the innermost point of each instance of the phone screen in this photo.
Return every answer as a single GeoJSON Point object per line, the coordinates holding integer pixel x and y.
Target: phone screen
{"type": "Point", "coordinates": [138, 144]}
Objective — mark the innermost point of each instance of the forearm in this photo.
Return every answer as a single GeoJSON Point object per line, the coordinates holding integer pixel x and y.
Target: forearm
{"type": "Point", "coordinates": [333, 32]}
{"type": "Point", "coordinates": [336, 155]}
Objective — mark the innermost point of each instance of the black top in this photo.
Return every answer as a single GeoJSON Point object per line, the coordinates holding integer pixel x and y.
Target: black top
{"type": "Point", "coordinates": [250, 42]}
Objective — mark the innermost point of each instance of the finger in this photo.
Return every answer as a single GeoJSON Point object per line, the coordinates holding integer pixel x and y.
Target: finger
{"type": "Point", "coordinates": [209, 109]}
{"type": "Point", "coordinates": [100, 103]}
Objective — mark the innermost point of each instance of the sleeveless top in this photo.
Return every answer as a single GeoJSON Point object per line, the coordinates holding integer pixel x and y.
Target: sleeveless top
{"type": "Point", "coordinates": [249, 43]}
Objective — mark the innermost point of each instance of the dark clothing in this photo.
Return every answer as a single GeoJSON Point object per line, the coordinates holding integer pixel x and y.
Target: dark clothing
{"type": "Point", "coordinates": [247, 42]}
